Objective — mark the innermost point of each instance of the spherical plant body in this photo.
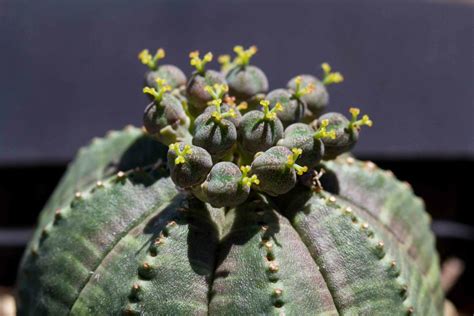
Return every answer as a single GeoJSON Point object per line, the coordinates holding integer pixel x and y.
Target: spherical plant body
{"type": "Point", "coordinates": [231, 200]}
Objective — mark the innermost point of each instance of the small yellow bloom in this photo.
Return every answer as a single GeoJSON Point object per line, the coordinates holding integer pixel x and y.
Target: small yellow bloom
{"type": "Point", "coordinates": [215, 102]}
{"type": "Point", "coordinates": [246, 180]}
{"type": "Point", "coordinates": [245, 169]}
{"type": "Point", "coordinates": [149, 90]}
{"type": "Point", "coordinates": [323, 133]}
{"type": "Point", "coordinates": [331, 77]}
{"type": "Point", "coordinates": [223, 59]}
{"type": "Point", "coordinates": [244, 56]}
{"type": "Point", "coordinates": [151, 61]}
{"type": "Point", "coordinates": [278, 107]}
{"type": "Point", "coordinates": [180, 159]}
{"type": "Point", "coordinates": [326, 68]}
{"type": "Point", "coordinates": [354, 111]}
{"type": "Point", "coordinates": [199, 63]}
{"type": "Point", "coordinates": [297, 152]}
{"type": "Point", "coordinates": [291, 163]}
{"type": "Point", "coordinates": [298, 80]}
{"type": "Point", "coordinates": [300, 170]}
{"type": "Point", "coordinates": [270, 114]}
{"type": "Point", "coordinates": [158, 93]}
{"type": "Point", "coordinates": [194, 54]}
{"type": "Point", "coordinates": [299, 91]}
{"type": "Point", "coordinates": [144, 56]}
{"type": "Point", "coordinates": [208, 57]}
{"type": "Point", "coordinates": [160, 53]}
{"type": "Point", "coordinates": [265, 103]}
{"type": "Point", "coordinates": [242, 106]}
{"type": "Point", "coordinates": [355, 123]}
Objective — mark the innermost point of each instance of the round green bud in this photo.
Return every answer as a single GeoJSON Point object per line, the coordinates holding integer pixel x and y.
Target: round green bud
{"type": "Point", "coordinates": [216, 136]}
{"type": "Point", "coordinates": [293, 109]}
{"type": "Point", "coordinates": [246, 81]}
{"type": "Point", "coordinates": [345, 137]}
{"type": "Point", "coordinates": [223, 186]}
{"type": "Point", "coordinates": [258, 133]}
{"type": "Point", "coordinates": [273, 170]}
{"type": "Point", "coordinates": [196, 88]}
{"type": "Point", "coordinates": [300, 135]}
{"type": "Point", "coordinates": [172, 74]}
{"type": "Point", "coordinates": [316, 100]}
{"type": "Point", "coordinates": [166, 120]}
{"type": "Point", "coordinates": [189, 165]}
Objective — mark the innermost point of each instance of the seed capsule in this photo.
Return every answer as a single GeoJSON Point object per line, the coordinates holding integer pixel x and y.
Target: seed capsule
{"type": "Point", "coordinates": [346, 133]}
{"type": "Point", "coordinates": [258, 131]}
{"type": "Point", "coordinates": [316, 100]}
{"type": "Point", "coordinates": [226, 185]}
{"type": "Point", "coordinates": [276, 169]}
{"type": "Point", "coordinates": [293, 108]}
{"type": "Point", "coordinates": [214, 133]}
{"type": "Point", "coordinates": [245, 81]}
{"type": "Point", "coordinates": [188, 164]}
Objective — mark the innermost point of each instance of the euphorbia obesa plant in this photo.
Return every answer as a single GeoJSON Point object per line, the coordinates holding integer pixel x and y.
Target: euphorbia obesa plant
{"type": "Point", "coordinates": [231, 201]}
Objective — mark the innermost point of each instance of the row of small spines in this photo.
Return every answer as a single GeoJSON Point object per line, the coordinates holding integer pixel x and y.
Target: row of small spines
{"type": "Point", "coordinates": [60, 212]}
{"type": "Point", "coordinates": [377, 245]}
{"type": "Point", "coordinates": [424, 216]}
{"type": "Point", "coordinates": [148, 269]}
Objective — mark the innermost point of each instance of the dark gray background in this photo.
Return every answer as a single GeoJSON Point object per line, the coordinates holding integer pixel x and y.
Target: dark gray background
{"type": "Point", "coordinates": [69, 72]}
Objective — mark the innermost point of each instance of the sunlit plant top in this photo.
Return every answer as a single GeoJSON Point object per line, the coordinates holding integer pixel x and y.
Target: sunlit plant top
{"type": "Point", "coordinates": [228, 135]}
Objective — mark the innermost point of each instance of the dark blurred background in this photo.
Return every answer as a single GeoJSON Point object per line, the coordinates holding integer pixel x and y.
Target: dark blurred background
{"type": "Point", "coordinates": [69, 72]}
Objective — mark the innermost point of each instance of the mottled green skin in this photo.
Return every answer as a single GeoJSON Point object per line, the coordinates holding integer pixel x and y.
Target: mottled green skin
{"type": "Point", "coordinates": [169, 112]}
{"type": "Point", "coordinates": [193, 171]}
{"type": "Point", "coordinates": [300, 135]}
{"type": "Point", "coordinates": [136, 245]}
{"type": "Point", "coordinates": [257, 134]}
{"type": "Point", "coordinates": [195, 89]}
{"type": "Point", "coordinates": [172, 74]}
{"type": "Point", "coordinates": [293, 109]}
{"type": "Point", "coordinates": [216, 137]}
{"type": "Point", "coordinates": [271, 168]}
{"type": "Point", "coordinates": [246, 81]}
{"type": "Point", "coordinates": [317, 100]}
{"type": "Point", "coordinates": [225, 108]}
{"type": "Point", "coordinates": [222, 186]}
{"type": "Point", "coordinates": [345, 138]}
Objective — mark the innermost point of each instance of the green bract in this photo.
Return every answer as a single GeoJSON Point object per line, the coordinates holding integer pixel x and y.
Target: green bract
{"type": "Point", "coordinates": [209, 212]}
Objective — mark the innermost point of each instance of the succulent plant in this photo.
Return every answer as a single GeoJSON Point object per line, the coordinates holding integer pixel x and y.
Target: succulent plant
{"type": "Point", "coordinates": [210, 211]}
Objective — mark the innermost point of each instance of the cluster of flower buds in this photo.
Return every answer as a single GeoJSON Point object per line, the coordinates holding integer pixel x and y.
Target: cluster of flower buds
{"type": "Point", "coordinates": [228, 135]}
